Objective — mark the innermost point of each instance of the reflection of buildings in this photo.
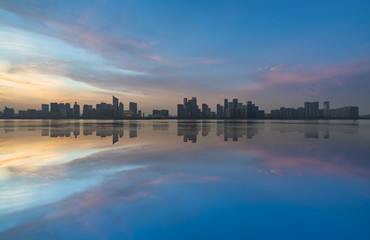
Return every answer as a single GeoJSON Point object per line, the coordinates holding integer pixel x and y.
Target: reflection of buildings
{"type": "Point", "coordinates": [55, 128]}
{"type": "Point", "coordinates": [237, 130]}
{"type": "Point", "coordinates": [311, 131]}
{"type": "Point", "coordinates": [229, 129]}
{"type": "Point", "coordinates": [189, 130]}
{"type": "Point", "coordinates": [160, 126]}
{"type": "Point", "coordinates": [206, 128]}
{"type": "Point", "coordinates": [315, 128]}
{"type": "Point", "coordinates": [133, 129]}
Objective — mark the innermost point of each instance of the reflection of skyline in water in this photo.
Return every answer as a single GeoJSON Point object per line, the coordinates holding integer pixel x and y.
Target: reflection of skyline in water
{"type": "Point", "coordinates": [58, 176]}
{"type": "Point", "coordinates": [230, 130]}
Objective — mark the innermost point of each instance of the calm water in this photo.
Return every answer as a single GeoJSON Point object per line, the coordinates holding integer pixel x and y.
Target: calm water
{"type": "Point", "coordinates": [184, 179]}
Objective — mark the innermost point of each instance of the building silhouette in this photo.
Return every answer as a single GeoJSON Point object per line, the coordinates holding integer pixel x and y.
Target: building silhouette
{"type": "Point", "coordinates": [133, 109]}
{"type": "Point", "coordinates": [76, 111]}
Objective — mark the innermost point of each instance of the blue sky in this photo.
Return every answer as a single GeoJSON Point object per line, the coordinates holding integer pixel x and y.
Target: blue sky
{"type": "Point", "coordinates": [275, 53]}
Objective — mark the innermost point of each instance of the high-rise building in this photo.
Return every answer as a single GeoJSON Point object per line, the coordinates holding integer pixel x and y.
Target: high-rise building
{"type": "Point", "coordinates": [226, 101]}
{"type": "Point", "coordinates": [121, 108]}
{"type": "Point", "coordinates": [133, 108]}
{"type": "Point", "coordinates": [349, 112]}
{"type": "Point", "coordinates": [180, 111]}
{"type": "Point", "coordinates": [311, 109]}
{"type": "Point", "coordinates": [9, 113]}
{"type": "Point", "coordinates": [69, 110]}
{"type": "Point", "coordinates": [326, 109]}
{"type": "Point", "coordinates": [190, 109]}
{"type": "Point", "coordinates": [45, 108]}
{"type": "Point", "coordinates": [229, 111]}
{"type": "Point", "coordinates": [104, 110]}
{"type": "Point", "coordinates": [218, 111]}
{"type": "Point", "coordinates": [88, 111]}
{"type": "Point", "coordinates": [54, 108]}
{"type": "Point", "coordinates": [205, 111]}
{"type": "Point", "coordinates": [62, 110]}
{"type": "Point", "coordinates": [76, 111]}
{"type": "Point", "coordinates": [234, 112]}
{"type": "Point", "coordinates": [115, 109]}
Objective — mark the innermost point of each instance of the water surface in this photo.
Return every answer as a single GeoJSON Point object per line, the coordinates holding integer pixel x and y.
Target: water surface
{"type": "Point", "coordinates": [65, 179]}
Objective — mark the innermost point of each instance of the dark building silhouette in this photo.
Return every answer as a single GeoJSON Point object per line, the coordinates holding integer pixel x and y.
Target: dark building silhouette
{"type": "Point", "coordinates": [62, 110]}
{"type": "Point", "coordinates": [88, 112]}
{"type": "Point", "coordinates": [133, 108]}
{"type": "Point", "coordinates": [104, 111]}
{"type": "Point", "coordinates": [160, 113]}
{"type": "Point", "coordinates": [120, 110]}
{"type": "Point", "coordinates": [76, 111]}
{"type": "Point", "coordinates": [115, 110]}
{"type": "Point", "coordinates": [9, 113]}
{"type": "Point", "coordinates": [189, 109]}
{"type": "Point", "coordinates": [206, 111]}
{"type": "Point", "coordinates": [226, 102]}
{"type": "Point", "coordinates": [45, 108]}
{"type": "Point", "coordinates": [311, 110]}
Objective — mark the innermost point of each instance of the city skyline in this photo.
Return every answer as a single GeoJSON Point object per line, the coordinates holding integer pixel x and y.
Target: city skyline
{"type": "Point", "coordinates": [189, 109]}
{"type": "Point", "coordinates": [158, 51]}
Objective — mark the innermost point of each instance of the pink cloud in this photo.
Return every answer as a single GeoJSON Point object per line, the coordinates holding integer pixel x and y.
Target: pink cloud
{"type": "Point", "coordinates": [277, 172]}
{"type": "Point", "coordinates": [336, 75]}
{"type": "Point", "coordinates": [276, 68]}
{"type": "Point", "coordinates": [209, 61]}
{"type": "Point", "coordinates": [182, 62]}
{"type": "Point", "coordinates": [298, 165]}
{"type": "Point", "coordinates": [263, 68]}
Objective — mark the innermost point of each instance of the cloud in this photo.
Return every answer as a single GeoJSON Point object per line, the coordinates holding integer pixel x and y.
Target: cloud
{"type": "Point", "coordinates": [277, 68]}
{"type": "Point", "coordinates": [183, 62]}
{"type": "Point", "coordinates": [263, 68]}
{"type": "Point", "coordinates": [337, 75]}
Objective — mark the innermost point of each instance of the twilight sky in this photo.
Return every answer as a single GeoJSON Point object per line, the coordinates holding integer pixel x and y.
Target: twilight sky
{"type": "Point", "coordinates": [274, 53]}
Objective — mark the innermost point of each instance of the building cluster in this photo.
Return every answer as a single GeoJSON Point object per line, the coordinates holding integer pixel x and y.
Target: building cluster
{"type": "Point", "coordinates": [159, 113]}
{"type": "Point", "coordinates": [233, 109]}
{"type": "Point", "coordinates": [189, 109]}
{"type": "Point", "coordinates": [312, 110]}
{"type": "Point", "coordinates": [66, 111]}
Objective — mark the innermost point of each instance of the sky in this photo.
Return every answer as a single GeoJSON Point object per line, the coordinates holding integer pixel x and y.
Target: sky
{"type": "Point", "coordinates": [155, 53]}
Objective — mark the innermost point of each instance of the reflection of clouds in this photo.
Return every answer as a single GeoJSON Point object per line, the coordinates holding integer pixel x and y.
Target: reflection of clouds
{"type": "Point", "coordinates": [54, 168]}
{"type": "Point", "coordinates": [312, 164]}
{"type": "Point", "coordinates": [126, 181]}
{"type": "Point", "coordinates": [137, 184]}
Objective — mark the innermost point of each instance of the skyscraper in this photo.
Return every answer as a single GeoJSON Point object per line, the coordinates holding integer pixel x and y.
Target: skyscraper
{"type": "Point", "coordinates": [218, 110]}
{"type": "Point", "coordinates": [133, 108]}
{"type": "Point", "coordinates": [326, 109]}
{"type": "Point", "coordinates": [205, 111]}
{"type": "Point", "coordinates": [54, 108]}
{"type": "Point", "coordinates": [120, 110]}
{"type": "Point", "coordinates": [45, 108]}
{"type": "Point", "coordinates": [189, 109]}
{"type": "Point", "coordinates": [180, 111]}
{"type": "Point", "coordinates": [76, 111]}
{"type": "Point", "coordinates": [226, 101]}
{"type": "Point", "coordinates": [115, 110]}
{"type": "Point", "coordinates": [311, 109]}
{"type": "Point", "coordinates": [69, 110]}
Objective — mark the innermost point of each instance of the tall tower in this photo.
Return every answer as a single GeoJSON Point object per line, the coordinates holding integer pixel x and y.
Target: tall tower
{"type": "Point", "coordinates": [326, 109]}
{"type": "Point", "coordinates": [76, 110]}
{"type": "Point", "coordinates": [225, 106]}
{"type": "Point", "coordinates": [115, 107]}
